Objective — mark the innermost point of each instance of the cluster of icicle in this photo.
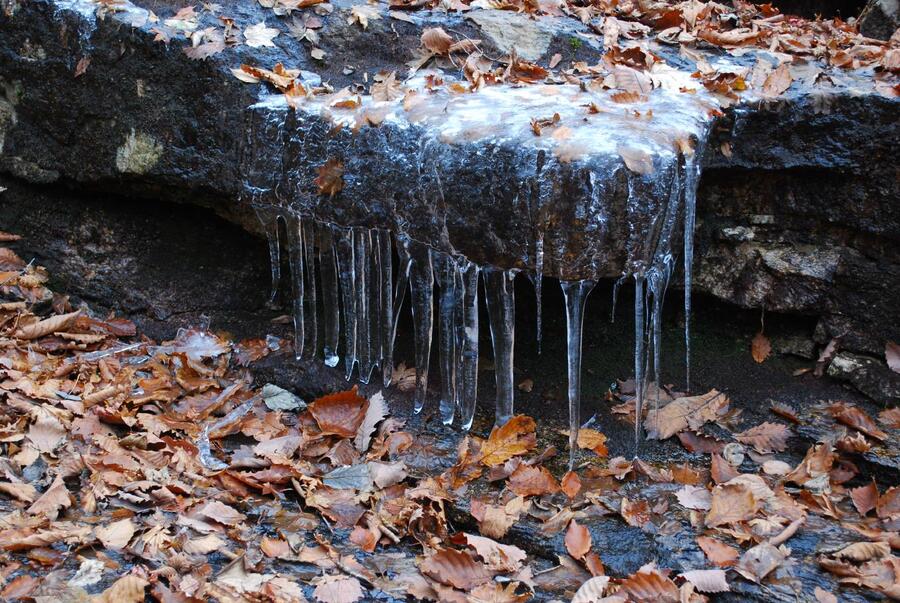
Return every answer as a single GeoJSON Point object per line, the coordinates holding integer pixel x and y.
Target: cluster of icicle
{"type": "Point", "coordinates": [356, 273]}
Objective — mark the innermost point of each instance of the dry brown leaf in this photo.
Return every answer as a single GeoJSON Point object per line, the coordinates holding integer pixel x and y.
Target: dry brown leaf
{"type": "Point", "coordinates": [853, 416]}
{"type": "Point", "coordinates": [823, 596]}
{"type": "Point", "coordinates": [127, 589]}
{"type": "Point", "coordinates": [864, 551]}
{"type": "Point", "coordinates": [340, 413]}
{"type": "Point", "coordinates": [495, 520]}
{"type": "Point", "coordinates": [436, 40]}
{"type": "Point", "coordinates": [528, 480]}
{"type": "Point", "coordinates": [56, 497]}
{"type": "Point", "coordinates": [499, 557]}
{"type": "Point", "coordinates": [888, 506]}
{"type": "Point", "coordinates": [591, 439]}
{"type": "Point", "coordinates": [47, 326]}
{"type": "Point", "coordinates": [338, 589]}
{"type": "Point", "coordinates": [578, 540]}
{"type": "Point", "coordinates": [731, 503]}
{"type": "Point", "coordinates": [20, 491]}
{"type": "Point", "coordinates": [890, 417]}
{"type": "Point", "coordinates": [865, 498]}
{"type": "Point", "coordinates": [331, 177]}
{"type": "Point", "coordinates": [650, 585]}
{"type": "Point", "coordinates": [685, 413]}
{"type": "Point", "coordinates": [221, 513]}
{"type": "Point", "coordinates": [760, 348]}
{"type": "Point", "coordinates": [514, 438]}
{"type": "Point", "coordinates": [570, 484]}
{"type": "Point", "coordinates": [375, 413]}
{"type": "Point", "coordinates": [708, 581]}
{"type": "Point", "coordinates": [817, 462]}
{"type": "Point", "coordinates": [455, 568]}
{"type": "Point", "coordinates": [591, 591]}
{"type": "Point", "coordinates": [718, 552]}
{"type": "Point", "coordinates": [778, 81]}
{"type": "Point", "coordinates": [760, 561]}
{"type": "Point", "coordinates": [116, 535]}
{"type": "Point", "coordinates": [637, 160]}
{"type": "Point", "coordinates": [765, 438]}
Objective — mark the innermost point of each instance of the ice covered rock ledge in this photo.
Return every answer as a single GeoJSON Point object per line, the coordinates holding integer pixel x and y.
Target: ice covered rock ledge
{"type": "Point", "coordinates": [797, 201]}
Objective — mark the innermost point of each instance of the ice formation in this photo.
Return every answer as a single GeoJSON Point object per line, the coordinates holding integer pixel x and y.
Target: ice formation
{"type": "Point", "coordinates": [413, 169]}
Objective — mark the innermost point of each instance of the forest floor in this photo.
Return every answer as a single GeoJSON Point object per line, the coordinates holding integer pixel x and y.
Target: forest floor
{"type": "Point", "coordinates": [132, 469]}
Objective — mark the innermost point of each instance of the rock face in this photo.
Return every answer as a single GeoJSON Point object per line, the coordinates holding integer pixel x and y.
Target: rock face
{"type": "Point", "coordinates": [796, 208]}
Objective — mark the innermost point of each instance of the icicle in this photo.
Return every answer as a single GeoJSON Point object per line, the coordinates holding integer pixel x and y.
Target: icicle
{"type": "Point", "coordinates": [501, 301]}
{"type": "Point", "coordinates": [348, 278]}
{"type": "Point", "coordinates": [330, 301]}
{"type": "Point", "coordinates": [269, 222]}
{"type": "Point", "coordinates": [403, 270]}
{"type": "Point", "coordinates": [450, 304]}
{"type": "Point", "coordinates": [638, 357]}
{"type": "Point", "coordinates": [538, 287]}
{"type": "Point", "coordinates": [296, 254]}
{"type": "Point", "coordinates": [421, 281]}
{"type": "Point", "coordinates": [693, 168]}
{"type": "Point", "coordinates": [467, 380]}
{"type": "Point", "coordinates": [385, 280]}
{"type": "Point", "coordinates": [576, 293]}
{"type": "Point", "coordinates": [362, 262]}
{"type": "Point", "coordinates": [311, 347]}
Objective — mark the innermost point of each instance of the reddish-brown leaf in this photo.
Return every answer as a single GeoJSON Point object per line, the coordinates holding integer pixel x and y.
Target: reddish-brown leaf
{"type": "Point", "coordinates": [865, 498]}
{"type": "Point", "coordinates": [731, 503]}
{"type": "Point", "coordinates": [718, 552]}
{"type": "Point", "coordinates": [571, 484]}
{"type": "Point", "coordinates": [650, 585]}
{"type": "Point", "coordinates": [455, 568]}
{"type": "Point", "coordinates": [528, 480]}
{"type": "Point", "coordinates": [888, 506]}
{"type": "Point", "coordinates": [340, 413]}
{"type": "Point", "coordinates": [331, 177]}
{"type": "Point", "coordinates": [578, 540]}
{"type": "Point", "coordinates": [766, 437]}
{"type": "Point", "coordinates": [854, 417]}
{"type": "Point", "coordinates": [760, 347]}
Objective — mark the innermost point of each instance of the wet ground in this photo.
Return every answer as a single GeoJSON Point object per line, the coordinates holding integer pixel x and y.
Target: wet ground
{"type": "Point", "coordinates": [182, 266]}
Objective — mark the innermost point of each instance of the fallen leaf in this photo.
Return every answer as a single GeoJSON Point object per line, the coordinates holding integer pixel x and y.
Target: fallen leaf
{"type": "Point", "coordinates": [351, 477]}
{"type": "Point", "coordinates": [888, 506]}
{"type": "Point", "coordinates": [375, 413]}
{"type": "Point", "coordinates": [731, 503]}
{"type": "Point", "coordinates": [592, 590]}
{"type": "Point", "coordinates": [778, 81]}
{"type": "Point", "coordinates": [685, 413]}
{"type": "Point", "coordinates": [694, 497]}
{"type": "Point", "coordinates": [259, 35]}
{"type": "Point", "coordinates": [570, 484]}
{"type": "Point", "coordinates": [760, 561]}
{"type": "Point", "coordinates": [56, 497]}
{"type": "Point", "coordinates": [718, 552]}
{"type": "Point", "coordinates": [649, 585]}
{"type": "Point", "coordinates": [331, 177]}
{"type": "Point", "coordinates": [338, 589]}
{"type": "Point", "coordinates": [528, 480]}
{"type": "Point", "coordinates": [436, 40]}
{"type": "Point", "coordinates": [637, 160]}
{"type": "Point", "coordinates": [127, 589]}
{"type": "Point", "coordinates": [116, 535]}
{"type": "Point", "coordinates": [500, 557]}
{"type": "Point", "coordinates": [765, 438]}
{"type": "Point", "coordinates": [47, 326]}
{"type": "Point", "coordinates": [855, 417]}
{"type": "Point", "coordinates": [340, 413]}
{"type": "Point", "coordinates": [864, 551]}
{"type": "Point", "coordinates": [864, 498]}
{"type": "Point", "coordinates": [513, 438]}
{"type": "Point", "coordinates": [455, 568]}
{"type": "Point", "coordinates": [591, 439]}
{"type": "Point", "coordinates": [707, 581]}
{"type": "Point", "coordinates": [578, 540]}
{"type": "Point", "coordinates": [221, 513]}
{"type": "Point", "coordinates": [760, 348]}
{"type": "Point", "coordinates": [892, 355]}
{"type": "Point", "coordinates": [362, 14]}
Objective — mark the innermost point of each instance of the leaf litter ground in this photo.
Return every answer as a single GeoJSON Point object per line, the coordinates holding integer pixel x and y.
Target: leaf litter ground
{"type": "Point", "coordinates": [134, 470]}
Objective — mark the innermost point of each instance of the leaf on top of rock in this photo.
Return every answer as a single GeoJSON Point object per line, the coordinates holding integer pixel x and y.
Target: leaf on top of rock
{"type": "Point", "coordinates": [53, 499]}
{"type": "Point", "coordinates": [591, 439]}
{"type": "Point", "coordinates": [591, 591]}
{"type": "Point", "coordinates": [338, 589]}
{"type": "Point", "coordinates": [331, 177]}
{"type": "Point", "coordinates": [718, 552]}
{"type": "Point", "coordinates": [760, 561]}
{"type": "Point", "coordinates": [362, 14]}
{"type": "Point", "coordinates": [340, 413]}
{"type": "Point", "coordinates": [864, 498]}
{"type": "Point", "coordinates": [499, 557]}
{"type": "Point", "coordinates": [689, 412]}
{"type": "Point", "coordinates": [436, 40]}
{"type": "Point", "coordinates": [707, 581]}
{"type": "Point", "coordinates": [760, 347]}
{"type": "Point", "coordinates": [455, 568]}
{"type": "Point", "coordinates": [514, 438]}
{"type": "Point", "coordinates": [649, 584]}
{"type": "Point", "coordinates": [578, 540]}
{"type": "Point", "coordinates": [375, 413]}
{"type": "Point", "coordinates": [731, 503]}
{"type": "Point", "coordinates": [855, 417]}
{"type": "Point", "coordinates": [259, 35]}
{"type": "Point", "coordinates": [766, 437]}
{"type": "Point", "coordinates": [528, 480]}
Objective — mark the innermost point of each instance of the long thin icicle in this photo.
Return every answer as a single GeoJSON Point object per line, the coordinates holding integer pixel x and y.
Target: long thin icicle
{"type": "Point", "coordinates": [693, 169]}
{"type": "Point", "coordinates": [638, 357]}
{"type": "Point", "coordinates": [330, 301]}
{"type": "Point", "coordinates": [421, 281]}
{"type": "Point", "coordinates": [297, 255]}
{"type": "Point", "coordinates": [362, 262]}
{"type": "Point", "coordinates": [386, 293]}
{"type": "Point", "coordinates": [449, 302]}
{"type": "Point", "coordinates": [269, 221]}
{"type": "Point", "coordinates": [467, 381]}
{"type": "Point", "coordinates": [538, 289]}
{"type": "Point", "coordinates": [311, 347]}
{"type": "Point", "coordinates": [575, 293]}
{"type": "Point", "coordinates": [347, 274]}
{"type": "Point", "coordinates": [403, 269]}
{"type": "Point", "coordinates": [501, 302]}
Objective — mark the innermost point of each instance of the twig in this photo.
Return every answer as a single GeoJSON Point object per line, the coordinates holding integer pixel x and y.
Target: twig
{"type": "Point", "coordinates": [787, 532]}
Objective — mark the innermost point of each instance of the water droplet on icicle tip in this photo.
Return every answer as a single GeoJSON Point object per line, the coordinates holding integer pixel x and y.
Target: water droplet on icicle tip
{"type": "Point", "coordinates": [575, 293]}
{"type": "Point", "coordinates": [328, 273]}
{"type": "Point", "coordinates": [269, 222]}
{"type": "Point", "coordinates": [343, 239]}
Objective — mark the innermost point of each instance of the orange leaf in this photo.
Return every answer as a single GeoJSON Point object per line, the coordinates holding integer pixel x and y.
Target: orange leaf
{"type": "Point", "coordinates": [578, 540]}
{"type": "Point", "coordinates": [532, 481]}
{"type": "Point", "coordinates": [650, 585]}
{"type": "Point", "coordinates": [330, 179]}
{"type": "Point", "coordinates": [571, 484]}
{"type": "Point", "coordinates": [340, 413]}
{"type": "Point", "coordinates": [854, 417]}
{"type": "Point", "coordinates": [717, 552]}
{"type": "Point", "coordinates": [760, 348]}
{"type": "Point", "coordinates": [731, 503]}
{"type": "Point", "coordinates": [514, 438]}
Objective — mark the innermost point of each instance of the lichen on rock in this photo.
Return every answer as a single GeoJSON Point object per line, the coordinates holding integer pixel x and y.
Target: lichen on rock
{"type": "Point", "coordinates": [138, 154]}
